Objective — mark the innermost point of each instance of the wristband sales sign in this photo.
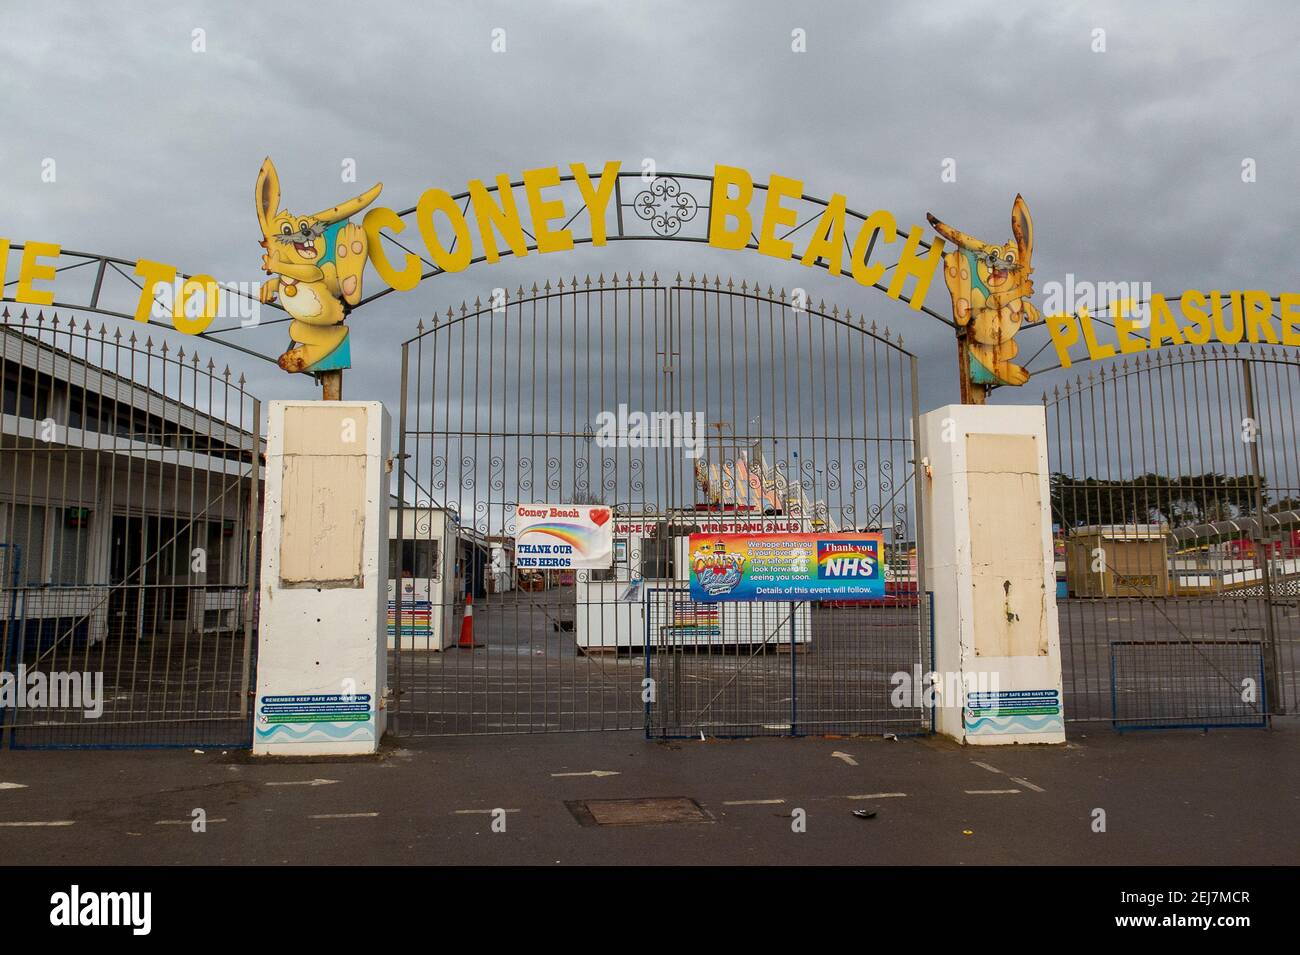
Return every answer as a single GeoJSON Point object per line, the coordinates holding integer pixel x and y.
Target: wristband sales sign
{"type": "Point", "coordinates": [727, 567]}
{"type": "Point", "coordinates": [563, 537]}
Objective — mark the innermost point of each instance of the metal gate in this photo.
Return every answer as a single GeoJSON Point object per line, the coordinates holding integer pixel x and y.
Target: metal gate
{"type": "Point", "coordinates": [129, 486]}
{"type": "Point", "coordinates": [700, 406]}
{"type": "Point", "coordinates": [1176, 488]}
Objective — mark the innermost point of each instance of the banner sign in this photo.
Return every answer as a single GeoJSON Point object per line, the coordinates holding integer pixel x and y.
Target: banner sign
{"type": "Point", "coordinates": [786, 567]}
{"type": "Point", "coordinates": [564, 537]}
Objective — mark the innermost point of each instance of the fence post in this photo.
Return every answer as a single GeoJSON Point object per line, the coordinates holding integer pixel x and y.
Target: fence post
{"type": "Point", "coordinates": [1275, 703]}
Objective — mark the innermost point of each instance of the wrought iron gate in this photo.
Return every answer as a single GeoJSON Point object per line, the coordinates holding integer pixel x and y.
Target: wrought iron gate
{"type": "Point", "coordinates": [1176, 488]}
{"type": "Point", "coordinates": [700, 406]}
{"type": "Point", "coordinates": [129, 488]}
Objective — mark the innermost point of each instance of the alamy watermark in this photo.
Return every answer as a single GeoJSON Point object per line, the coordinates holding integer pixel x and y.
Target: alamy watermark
{"type": "Point", "coordinates": [59, 690]}
{"type": "Point", "coordinates": [1125, 299]}
{"type": "Point", "coordinates": [917, 689]}
{"type": "Point", "coordinates": [653, 429]}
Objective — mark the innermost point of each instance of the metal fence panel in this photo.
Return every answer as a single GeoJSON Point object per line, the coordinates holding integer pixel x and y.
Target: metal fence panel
{"type": "Point", "coordinates": [128, 516]}
{"type": "Point", "coordinates": [756, 415]}
{"type": "Point", "coordinates": [1176, 488]}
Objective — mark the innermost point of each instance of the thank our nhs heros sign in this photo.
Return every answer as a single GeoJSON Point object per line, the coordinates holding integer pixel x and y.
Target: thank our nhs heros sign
{"type": "Point", "coordinates": [563, 537]}
{"type": "Point", "coordinates": [727, 567]}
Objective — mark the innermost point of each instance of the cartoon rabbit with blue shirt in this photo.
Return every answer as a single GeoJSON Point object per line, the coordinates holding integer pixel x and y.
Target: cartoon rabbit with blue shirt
{"type": "Point", "coordinates": [317, 263]}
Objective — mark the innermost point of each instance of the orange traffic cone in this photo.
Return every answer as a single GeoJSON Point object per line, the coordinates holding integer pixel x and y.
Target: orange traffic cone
{"type": "Point", "coordinates": [467, 625]}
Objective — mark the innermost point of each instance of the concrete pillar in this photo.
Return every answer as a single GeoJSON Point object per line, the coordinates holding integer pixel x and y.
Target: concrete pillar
{"type": "Point", "coordinates": [322, 664]}
{"type": "Point", "coordinates": [990, 564]}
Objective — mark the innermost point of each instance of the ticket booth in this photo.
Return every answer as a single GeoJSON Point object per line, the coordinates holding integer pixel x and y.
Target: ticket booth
{"type": "Point", "coordinates": [422, 568]}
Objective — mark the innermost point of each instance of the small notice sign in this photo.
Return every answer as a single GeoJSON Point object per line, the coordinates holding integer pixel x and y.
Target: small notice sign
{"type": "Point", "coordinates": [564, 537]}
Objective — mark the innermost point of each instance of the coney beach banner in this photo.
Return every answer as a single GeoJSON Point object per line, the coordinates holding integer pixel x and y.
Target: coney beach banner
{"type": "Point", "coordinates": [727, 567]}
{"type": "Point", "coordinates": [564, 537]}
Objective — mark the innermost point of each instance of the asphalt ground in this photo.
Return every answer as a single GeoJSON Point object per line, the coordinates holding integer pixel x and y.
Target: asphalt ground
{"type": "Point", "coordinates": [1226, 797]}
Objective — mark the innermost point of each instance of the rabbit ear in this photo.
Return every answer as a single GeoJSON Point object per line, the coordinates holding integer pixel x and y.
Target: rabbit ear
{"type": "Point", "coordinates": [345, 209]}
{"type": "Point", "coordinates": [267, 194]}
{"type": "Point", "coordinates": [1022, 227]}
{"type": "Point", "coordinates": [955, 236]}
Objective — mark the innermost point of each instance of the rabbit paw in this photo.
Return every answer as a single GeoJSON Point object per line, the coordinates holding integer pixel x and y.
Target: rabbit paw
{"type": "Point", "coordinates": [294, 360]}
{"type": "Point", "coordinates": [350, 261]}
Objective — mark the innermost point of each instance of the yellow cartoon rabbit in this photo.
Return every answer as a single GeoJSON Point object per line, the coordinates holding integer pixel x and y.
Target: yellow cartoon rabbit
{"type": "Point", "coordinates": [990, 287]}
{"type": "Point", "coordinates": [317, 263]}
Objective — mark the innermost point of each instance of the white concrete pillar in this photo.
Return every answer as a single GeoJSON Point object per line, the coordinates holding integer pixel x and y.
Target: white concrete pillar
{"type": "Point", "coordinates": [322, 664]}
{"type": "Point", "coordinates": [990, 563]}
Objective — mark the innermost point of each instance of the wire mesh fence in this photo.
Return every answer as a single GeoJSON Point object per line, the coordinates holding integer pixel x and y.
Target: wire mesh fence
{"type": "Point", "coordinates": [1176, 492]}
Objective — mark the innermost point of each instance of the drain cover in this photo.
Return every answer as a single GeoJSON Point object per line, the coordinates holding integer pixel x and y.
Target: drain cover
{"type": "Point", "coordinates": [637, 812]}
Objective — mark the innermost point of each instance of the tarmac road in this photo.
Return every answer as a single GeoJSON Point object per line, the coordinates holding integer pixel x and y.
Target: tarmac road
{"type": "Point", "coordinates": [1223, 797]}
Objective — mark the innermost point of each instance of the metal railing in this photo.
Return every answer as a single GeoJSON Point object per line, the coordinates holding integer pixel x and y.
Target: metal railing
{"type": "Point", "coordinates": [129, 489]}
{"type": "Point", "coordinates": [1176, 489]}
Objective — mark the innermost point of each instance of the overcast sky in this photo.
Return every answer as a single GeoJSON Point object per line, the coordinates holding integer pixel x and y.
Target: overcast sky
{"type": "Point", "coordinates": [1130, 159]}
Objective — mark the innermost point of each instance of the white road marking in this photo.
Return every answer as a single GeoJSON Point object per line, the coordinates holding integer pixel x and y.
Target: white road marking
{"type": "Point", "coordinates": [1027, 784]}
{"type": "Point", "coordinates": [844, 756]}
{"type": "Point", "coordinates": [344, 815]}
{"type": "Point", "coordinates": [877, 796]}
{"type": "Point", "coordinates": [591, 772]}
{"type": "Point", "coordinates": [59, 822]}
{"type": "Point", "coordinates": [12, 786]}
{"type": "Point", "coordinates": [754, 802]}
{"type": "Point", "coordinates": [472, 812]}
{"type": "Point", "coordinates": [991, 769]}
{"type": "Point", "coordinates": [182, 822]}
{"type": "Point", "coordinates": [990, 792]}
{"type": "Point", "coordinates": [305, 782]}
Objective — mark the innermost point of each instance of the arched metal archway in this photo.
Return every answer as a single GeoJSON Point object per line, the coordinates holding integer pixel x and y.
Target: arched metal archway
{"type": "Point", "coordinates": [700, 405]}
{"type": "Point", "coordinates": [664, 207]}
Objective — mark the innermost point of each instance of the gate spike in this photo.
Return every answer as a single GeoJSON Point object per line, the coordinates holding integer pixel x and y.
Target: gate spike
{"type": "Point", "coordinates": [226, 374]}
{"type": "Point", "coordinates": [520, 292]}
{"type": "Point", "coordinates": [478, 305]}
{"type": "Point", "coordinates": [730, 283]}
{"type": "Point", "coordinates": [654, 279]}
{"type": "Point", "coordinates": [559, 285]}
{"type": "Point", "coordinates": [419, 326]}
{"type": "Point", "coordinates": [6, 313]}
{"type": "Point", "coordinates": [464, 308]}
{"type": "Point", "coordinates": [743, 287]}
{"type": "Point", "coordinates": [678, 280]}
{"type": "Point", "coordinates": [54, 321]}
{"type": "Point", "coordinates": [587, 280]}
{"type": "Point", "coordinates": [627, 280]}
{"type": "Point", "coordinates": [211, 365]}
{"type": "Point", "coordinates": [40, 317]}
